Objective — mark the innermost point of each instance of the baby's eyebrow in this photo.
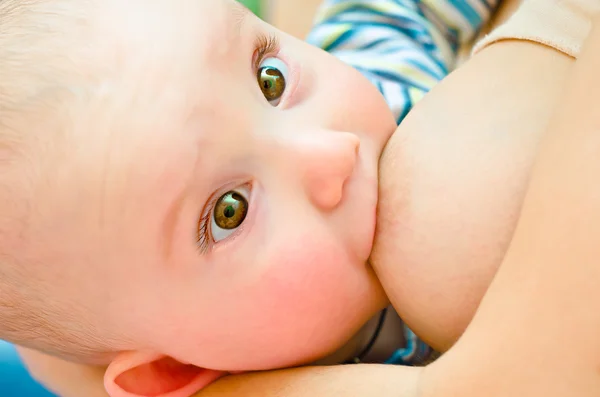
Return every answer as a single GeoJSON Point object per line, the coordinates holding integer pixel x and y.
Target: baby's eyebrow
{"type": "Point", "coordinates": [225, 38]}
{"type": "Point", "coordinates": [240, 12]}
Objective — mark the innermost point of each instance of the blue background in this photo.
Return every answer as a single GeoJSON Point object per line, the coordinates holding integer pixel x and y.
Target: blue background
{"type": "Point", "coordinates": [14, 379]}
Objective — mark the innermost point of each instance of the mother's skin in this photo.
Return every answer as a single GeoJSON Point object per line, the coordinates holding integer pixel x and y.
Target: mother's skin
{"type": "Point", "coordinates": [453, 178]}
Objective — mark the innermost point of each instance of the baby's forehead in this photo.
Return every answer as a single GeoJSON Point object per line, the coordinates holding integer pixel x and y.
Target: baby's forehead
{"type": "Point", "coordinates": [172, 32]}
{"type": "Point", "coordinates": [57, 56]}
{"type": "Point", "coordinates": [168, 51]}
{"type": "Point", "coordinates": [114, 34]}
{"type": "Point", "coordinates": [132, 48]}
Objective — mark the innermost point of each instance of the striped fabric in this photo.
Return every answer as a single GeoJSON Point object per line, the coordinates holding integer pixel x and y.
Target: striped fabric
{"type": "Point", "coordinates": [404, 47]}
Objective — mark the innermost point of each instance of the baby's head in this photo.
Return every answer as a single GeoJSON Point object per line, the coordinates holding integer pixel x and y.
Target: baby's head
{"type": "Point", "coordinates": [180, 178]}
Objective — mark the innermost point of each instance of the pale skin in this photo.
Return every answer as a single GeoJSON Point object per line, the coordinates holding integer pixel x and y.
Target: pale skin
{"type": "Point", "coordinates": [305, 209]}
{"type": "Point", "coordinates": [507, 218]}
{"type": "Point", "coordinates": [554, 249]}
{"type": "Point", "coordinates": [166, 113]}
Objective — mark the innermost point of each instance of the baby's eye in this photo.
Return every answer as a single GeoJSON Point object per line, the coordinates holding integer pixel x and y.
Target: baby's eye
{"type": "Point", "coordinates": [271, 77]}
{"type": "Point", "coordinates": [229, 214]}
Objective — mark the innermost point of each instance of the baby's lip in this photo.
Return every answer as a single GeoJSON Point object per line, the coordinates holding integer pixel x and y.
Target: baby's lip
{"type": "Point", "coordinates": [368, 169]}
{"type": "Point", "coordinates": [356, 177]}
{"type": "Point", "coordinates": [365, 189]}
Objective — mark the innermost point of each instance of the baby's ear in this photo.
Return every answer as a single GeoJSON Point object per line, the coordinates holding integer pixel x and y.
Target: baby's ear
{"type": "Point", "coordinates": [137, 374]}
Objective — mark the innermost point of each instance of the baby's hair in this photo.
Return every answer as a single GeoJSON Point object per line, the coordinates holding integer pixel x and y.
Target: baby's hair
{"type": "Point", "coordinates": [36, 38]}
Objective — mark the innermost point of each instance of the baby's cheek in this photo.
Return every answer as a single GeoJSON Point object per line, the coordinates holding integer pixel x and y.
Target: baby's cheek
{"type": "Point", "coordinates": [305, 298]}
{"type": "Point", "coordinates": [306, 270]}
{"type": "Point", "coordinates": [294, 301]}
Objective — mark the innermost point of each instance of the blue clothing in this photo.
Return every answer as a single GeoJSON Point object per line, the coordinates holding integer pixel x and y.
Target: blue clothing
{"type": "Point", "coordinates": [404, 47]}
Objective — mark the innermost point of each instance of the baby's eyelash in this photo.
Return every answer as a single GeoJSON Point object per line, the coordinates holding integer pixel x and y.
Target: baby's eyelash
{"type": "Point", "coordinates": [266, 45]}
{"type": "Point", "coordinates": [204, 229]}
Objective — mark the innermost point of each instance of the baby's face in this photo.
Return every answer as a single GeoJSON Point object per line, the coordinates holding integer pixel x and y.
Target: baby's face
{"type": "Point", "coordinates": [215, 196]}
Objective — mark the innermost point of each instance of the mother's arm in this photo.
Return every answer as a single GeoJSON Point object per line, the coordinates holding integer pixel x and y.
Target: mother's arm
{"type": "Point", "coordinates": [76, 380]}
{"type": "Point", "coordinates": [341, 380]}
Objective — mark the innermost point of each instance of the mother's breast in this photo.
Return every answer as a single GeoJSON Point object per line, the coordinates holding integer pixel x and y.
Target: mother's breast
{"type": "Point", "coordinates": [452, 183]}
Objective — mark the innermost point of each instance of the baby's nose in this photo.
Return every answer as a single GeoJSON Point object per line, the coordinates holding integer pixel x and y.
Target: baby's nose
{"type": "Point", "coordinates": [326, 160]}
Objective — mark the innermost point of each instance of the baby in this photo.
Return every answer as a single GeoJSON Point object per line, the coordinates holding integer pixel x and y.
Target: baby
{"type": "Point", "coordinates": [150, 305]}
{"type": "Point", "coordinates": [200, 195]}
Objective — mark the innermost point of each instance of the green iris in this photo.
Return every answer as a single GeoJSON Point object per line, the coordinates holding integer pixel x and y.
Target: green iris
{"type": "Point", "coordinates": [271, 82]}
{"type": "Point", "coordinates": [230, 211]}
